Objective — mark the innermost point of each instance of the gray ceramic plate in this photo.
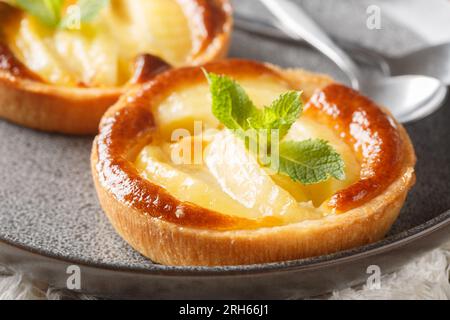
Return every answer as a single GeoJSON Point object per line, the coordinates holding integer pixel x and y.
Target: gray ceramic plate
{"type": "Point", "coordinates": [50, 218]}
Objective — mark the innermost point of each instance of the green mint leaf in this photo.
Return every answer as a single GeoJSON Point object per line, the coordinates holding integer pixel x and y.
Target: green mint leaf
{"type": "Point", "coordinates": [280, 115]}
{"type": "Point", "coordinates": [91, 8]}
{"type": "Point", "coordinates": [88, 11]}
{"type": "Point", "coordinates": [310, 161]}
{"type": "Point", "coordinates": [230, 103]}
{"type": "Point", "coordinates": [47, 11]}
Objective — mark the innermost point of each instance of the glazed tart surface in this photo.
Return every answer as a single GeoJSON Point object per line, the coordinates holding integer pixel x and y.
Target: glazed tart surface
{"type": "Point", "coordinates": [226, 175]}
{"type": "Point", "coordinates": [228, 189]}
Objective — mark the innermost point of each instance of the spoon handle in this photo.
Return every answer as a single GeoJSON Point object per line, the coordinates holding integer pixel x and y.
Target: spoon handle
{"type": "Point", "coordinates": [274, 31]}
{"type": "Point", "coordinates": [299, 25]}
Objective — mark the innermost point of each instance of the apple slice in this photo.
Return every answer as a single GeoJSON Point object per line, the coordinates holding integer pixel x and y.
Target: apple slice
{"type": "Point", "coordinates": [241, 177]}
{"type": "Point", "coordinates": [27, 44]}
{"type": "Point", "coordinates": [187, 183]}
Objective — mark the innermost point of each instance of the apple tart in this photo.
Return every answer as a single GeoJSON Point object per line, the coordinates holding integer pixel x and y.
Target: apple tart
{"type": "Point", "coordinates": [224, 207]}
{"type": "Point", "coordinates": [62, 75]}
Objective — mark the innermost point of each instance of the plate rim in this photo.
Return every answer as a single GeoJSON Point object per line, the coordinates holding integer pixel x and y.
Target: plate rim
{"type": "Point", "coordinates": [315, 263]}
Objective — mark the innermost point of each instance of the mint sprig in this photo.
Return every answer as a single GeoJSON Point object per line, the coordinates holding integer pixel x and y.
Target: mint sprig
{"type": "Point", "coordinates": [230, 103]}
{"type": "Point", "coordinates": [89, 9]}
{"type": "Point", "coordinates": [47, 11]}
{"type": "Point", "coordinates": [50, 12]}
{"type": "Point", "coordinates": [280, 115]}
{"type": "Point", "coordinates": [307, 162]}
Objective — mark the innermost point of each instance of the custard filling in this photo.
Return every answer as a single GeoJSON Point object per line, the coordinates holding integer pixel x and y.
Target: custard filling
{"type": "Point", "coordinates": [101, 53]}
{"type": "Point", "coordinates": [228, 178]}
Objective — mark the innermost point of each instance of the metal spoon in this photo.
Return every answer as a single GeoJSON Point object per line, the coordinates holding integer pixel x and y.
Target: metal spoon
{"type": "Point", "coordinates": [408, 97]}
{"type": "Point", "coordinates": [431, 61]}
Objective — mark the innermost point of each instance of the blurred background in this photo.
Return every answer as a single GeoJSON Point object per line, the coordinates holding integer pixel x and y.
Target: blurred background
{"type": "Point", "coordinates": [406, 25]}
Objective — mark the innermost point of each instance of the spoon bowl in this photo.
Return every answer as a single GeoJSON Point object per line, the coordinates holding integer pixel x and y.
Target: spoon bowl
{"type": "Point", "coordinates": [408, 97]}
{"type": "Point", "coordinates": [430, 61]}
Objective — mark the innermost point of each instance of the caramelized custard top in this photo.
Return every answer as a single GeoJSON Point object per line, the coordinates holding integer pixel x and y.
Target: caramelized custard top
{"type": "Point", "coordinates": [130, 125]}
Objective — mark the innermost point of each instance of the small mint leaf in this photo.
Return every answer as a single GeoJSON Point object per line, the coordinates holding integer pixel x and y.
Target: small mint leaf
{"type": "Point", "coordinates": [47, 11]}
{"type": "Point", "coordinates": [280, 115]}
{"type": "Point", "coordinates": [88, 11]}
{"type": "Point", "coordinates": [230, 103]}
{"type": "Point", "coordinates": [310, 161]}
{"type": "Point", "coordinates": [91, 8]}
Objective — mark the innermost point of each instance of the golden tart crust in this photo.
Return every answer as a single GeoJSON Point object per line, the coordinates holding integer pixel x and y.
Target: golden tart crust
{"type": "Point", "coordinates": [26, 99]}
{"type": "Point", "coordinates": [147, 216]}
